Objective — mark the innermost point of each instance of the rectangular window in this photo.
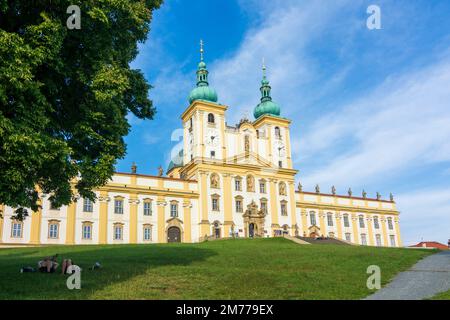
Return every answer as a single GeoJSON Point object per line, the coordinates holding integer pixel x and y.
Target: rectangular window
{"type": "Point", "coordinates": [348, 237]}
{"type": "Point", "coordinates": [87, 205]}
{"type": "Point", "coordinates": [280, 164]}
{"type": "Point", "coordinates": [361, 222]}
{"type": "Point", "coordinates": [390, 225]}
{"type": "Point", "coordinates": [215, 204]}
{"type": "Point", "coordinates": [118, 206]}
{"type": "Point", "coordinates": [238, 206]}
{"type": "Point", "coordinates": [147, 208]}
{"type": "Point", "coordinates": [87, 232]}
{"type": "Point", "coordinates": [53, 231]}
{"type": "Point", "coordinates": [16, 231]}
{"type": "Point", "coordinates": [264, 207]}
{"type": "Point", "coordinates": [118, 233]}
{"type": "Point", "coordinates": [393, 244]}
{"type": "Point", "coordinates": [363, 239]}
{"type": "Point", "coordinates": [174, 210]}
{"type": "Point", "coordinates": [376, 224]}
{"type": "Point", "coordinates": [346, 221]}
{"type": "Point", "coordinates": [283, 209]}
{"type": "Point", "coordinates": [213, 154]}
{"type": "Point", "coordinates": [262, 187]}
{"type": "Point", "coordinates": [237, 185]}
{"type": "Point", "coordinates": [312, 218]}
{"type": "Point", "coordinates": [378, 240]}
{"type": "Point", "coordinates": [330, 220]}
{"type": "Point", "coordinates": [147, 234]}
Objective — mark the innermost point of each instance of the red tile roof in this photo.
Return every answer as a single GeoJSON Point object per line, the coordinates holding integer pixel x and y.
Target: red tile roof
{"type": "Point", "coordinates": [431, 244]}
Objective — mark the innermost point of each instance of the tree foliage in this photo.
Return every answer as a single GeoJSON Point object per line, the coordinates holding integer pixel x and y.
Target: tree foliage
{"type": "Point", "coordinates": [65, 95]}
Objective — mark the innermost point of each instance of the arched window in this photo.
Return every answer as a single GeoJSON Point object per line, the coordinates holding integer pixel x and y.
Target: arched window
{"type": "Point", "coordinates": [277, 132]}
{"type": "Point", "coordinates": [210, 118]}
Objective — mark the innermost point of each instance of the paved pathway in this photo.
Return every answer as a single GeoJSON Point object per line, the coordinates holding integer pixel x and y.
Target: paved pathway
{"type": "Point", "coordinates": [425, 279]}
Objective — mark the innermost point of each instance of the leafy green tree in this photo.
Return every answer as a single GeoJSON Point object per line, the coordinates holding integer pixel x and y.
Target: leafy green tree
{"type": "Point", "coordinates": [65, 95]}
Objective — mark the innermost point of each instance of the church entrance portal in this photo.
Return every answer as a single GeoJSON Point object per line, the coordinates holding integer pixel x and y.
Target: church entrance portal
{"type": "Point", "coordinates": [173, 234]}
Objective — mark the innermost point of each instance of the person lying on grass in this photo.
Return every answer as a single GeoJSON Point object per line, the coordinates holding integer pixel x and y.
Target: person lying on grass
{"type": "Point", "coordinates": [48, 264]}
{"type": "Point", "coordinates": [65, 266]}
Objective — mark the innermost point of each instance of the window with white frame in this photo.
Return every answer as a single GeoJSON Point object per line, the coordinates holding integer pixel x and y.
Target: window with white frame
{"type": "Point", "coordinates": [118, 232]}
{"type": "Point", "coordinates": [238, 205]}
{"type": "Point", "coordinates": [330, 219]}
{"type": "Point", "coordinates": [312, 218]}
{"type": "Point", "coordinates": [147, 208]}
{"type": "Point", "coordinates": [147, 233]}
{"type": "Point", "coordinates": [87, 205]}
{"type": "Point", "coordinates": [262, 187]}
{"type": "Point", "coordinates": [363, 239]}
{"type": "Point", "coordinates": [16, 229]}
{"type": "Point", "coordinates": [53, 230]}
{"type": "Point", "coordinates": [174, 209]}
{"type": "Point", "coordinates": [348, 236]}
{"type": "Point", "coordinates": [392, 237]}
{"type": "Point", "coordinates": [118, 206]}
{"type": "Point", "coordinates": [237, 185]}
{"type": "Point", "coordinates": [361, 222]}
{"type": "Point", "coordinates": [264, 206]}
{"type": "Point", "coordinates": [378, 240]}
{"type": "Point", "coordinates": [390, 225]}
{"type": "Point", "coordinates": [87, 231]}
{"type": "Point", "coordinates": [215, 203]}
{"type": "Point", "coordinates": [346, 221]}
{"type": "Point", "coordinates": [284, 208]}
{"type": "Point", "coordinates": [376, 223]}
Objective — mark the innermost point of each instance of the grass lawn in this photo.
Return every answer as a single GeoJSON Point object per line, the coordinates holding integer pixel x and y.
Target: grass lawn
{"type": "Point", "coordinates": [442, 296]}
{"type": "Point", "coordinates": [230, 269]}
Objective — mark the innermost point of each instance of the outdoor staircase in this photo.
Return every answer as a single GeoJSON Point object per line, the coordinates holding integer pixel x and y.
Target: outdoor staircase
{"type": "Point", "coordinates": [319, 240]}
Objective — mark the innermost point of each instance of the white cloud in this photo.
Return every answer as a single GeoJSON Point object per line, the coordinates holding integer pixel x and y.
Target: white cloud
{"type": "Point", "coordinates": [425, 215]}
{"type": "Point", "coordinates": [402, 124]}
{"type": "Point", "coordinates": [280, 39]}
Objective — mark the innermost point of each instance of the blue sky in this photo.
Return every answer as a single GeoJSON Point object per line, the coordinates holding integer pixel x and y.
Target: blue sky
{"type": "Point", "coordinates": [370, 108]}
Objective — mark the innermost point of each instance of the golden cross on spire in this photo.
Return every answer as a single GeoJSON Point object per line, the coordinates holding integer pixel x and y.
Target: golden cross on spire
{"type": "Point", "coordinates": [201, 50]}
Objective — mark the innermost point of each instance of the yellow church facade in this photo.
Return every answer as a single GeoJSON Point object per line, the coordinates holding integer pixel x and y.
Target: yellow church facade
{"type": "Point", "coordinates": [227, 181]}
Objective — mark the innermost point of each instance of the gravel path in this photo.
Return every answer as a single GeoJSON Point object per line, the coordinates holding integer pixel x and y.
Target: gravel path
{"type": "Point", "coordinates": [425, 279]}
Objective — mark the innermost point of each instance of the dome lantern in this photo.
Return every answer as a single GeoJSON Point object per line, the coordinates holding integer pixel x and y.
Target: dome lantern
{"type": "Point", "coordinates": [266, 106]}
{"type": "Point", "coordinates": [203, 91]}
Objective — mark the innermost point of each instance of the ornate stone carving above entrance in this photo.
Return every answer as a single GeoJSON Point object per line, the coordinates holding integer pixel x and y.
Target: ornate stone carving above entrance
{"type": "Point", "coordinates": [254, 221]}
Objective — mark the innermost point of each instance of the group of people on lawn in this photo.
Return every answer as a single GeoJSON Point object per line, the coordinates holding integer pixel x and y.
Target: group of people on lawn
{"type": "Point", "coordinates": [50, 264]}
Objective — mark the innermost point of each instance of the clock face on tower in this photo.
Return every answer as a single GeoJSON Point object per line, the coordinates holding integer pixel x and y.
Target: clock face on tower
{"type": "Point", "coordinates": [212, 138]}
{"type": "Point", "coordinates": [280, 148]}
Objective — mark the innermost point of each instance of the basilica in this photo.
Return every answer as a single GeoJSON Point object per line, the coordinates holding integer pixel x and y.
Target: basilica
{"type": "Point", "coordinates": [227, 181]}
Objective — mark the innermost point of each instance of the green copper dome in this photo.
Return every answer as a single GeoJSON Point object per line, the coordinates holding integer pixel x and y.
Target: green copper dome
{"type": "Point", "coordinates": [203, 91]}
{"type": "Point", "coordinates": [266, 106]}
